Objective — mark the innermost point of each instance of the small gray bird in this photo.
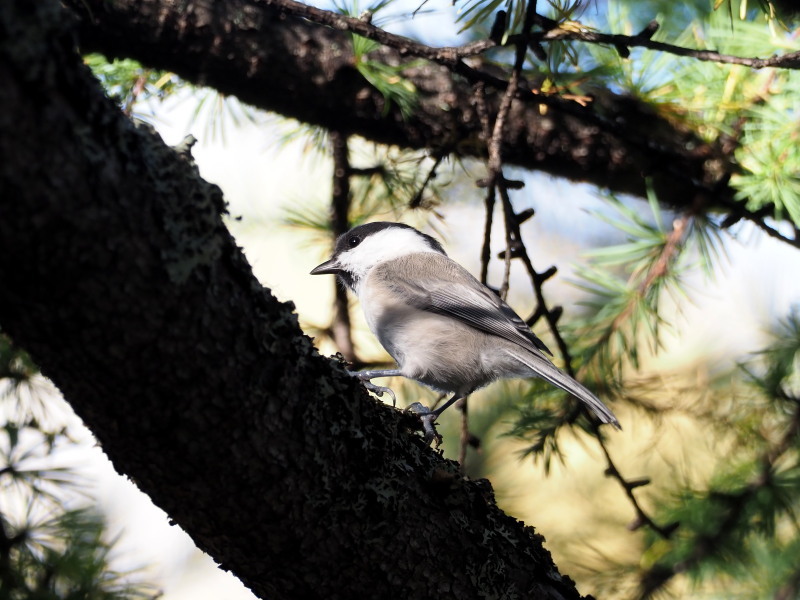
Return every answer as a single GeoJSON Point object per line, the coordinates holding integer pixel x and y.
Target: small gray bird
{"type": "Point", "coordinates": [443, 327]}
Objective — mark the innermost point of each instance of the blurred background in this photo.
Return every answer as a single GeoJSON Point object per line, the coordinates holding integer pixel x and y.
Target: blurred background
{"type": "Point", "coordinates": [696, 497]}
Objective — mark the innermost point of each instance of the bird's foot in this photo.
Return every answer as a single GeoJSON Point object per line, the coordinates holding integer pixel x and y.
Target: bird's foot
{"type": "Point", "coordinates": [428, 419]}
{"type": "Point", "coordinates": [378, 390]}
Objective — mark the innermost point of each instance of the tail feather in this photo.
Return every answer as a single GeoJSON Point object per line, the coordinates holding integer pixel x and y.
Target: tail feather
{"type": "Point", "coordinates": [546, 370]}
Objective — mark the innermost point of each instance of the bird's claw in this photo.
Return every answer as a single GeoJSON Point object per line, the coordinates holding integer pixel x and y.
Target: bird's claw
{"type": "Point", "coordinates": [379, 390]}
{"type": "Point", "coordinates": [428, 419]}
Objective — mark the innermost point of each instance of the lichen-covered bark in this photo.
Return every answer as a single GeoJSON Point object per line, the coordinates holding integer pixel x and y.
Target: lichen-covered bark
{"type": "Point", "coordinates": [305, 71]}
{"type": "Point", "coordinates": [119, 277]}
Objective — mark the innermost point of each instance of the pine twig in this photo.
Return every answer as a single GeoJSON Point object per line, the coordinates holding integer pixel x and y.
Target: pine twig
{"type": "Point", "coordinates": [452, 55]}
{"type": "Point", "coordinates": [657, 270]}
{"type": "Point", "coordinates": [416, 201]}
{"type": "Point", "coordinates": [552, 315]}
{"type": "Point", "coordinates": [465, 434]}
{"type": "Point", "coordinates": [495, 162]}
{"type": "Point", "coordinates": [341, 326]}
{"type": "Point", "coordinates": [628, 485]}
{"type": "Point", "coordinates": [643, 39]}
{"type": "Point", "coordinates": [489, 201]}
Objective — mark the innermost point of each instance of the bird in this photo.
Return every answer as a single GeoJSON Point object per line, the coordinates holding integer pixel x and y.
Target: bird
{"type": "Point", "coordinates": [443, 327]}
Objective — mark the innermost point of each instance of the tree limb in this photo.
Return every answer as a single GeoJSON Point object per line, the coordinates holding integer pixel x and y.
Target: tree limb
{"type": "Point", "coordinates": [285, 64]}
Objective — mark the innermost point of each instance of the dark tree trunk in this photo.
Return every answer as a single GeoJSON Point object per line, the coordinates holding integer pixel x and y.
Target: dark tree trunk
{"type": "Point", "coordinates": [119, 277]}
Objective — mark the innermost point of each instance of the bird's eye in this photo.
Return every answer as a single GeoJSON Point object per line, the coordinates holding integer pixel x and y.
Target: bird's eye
{"type": "Point", "coordinates": [354, 241]}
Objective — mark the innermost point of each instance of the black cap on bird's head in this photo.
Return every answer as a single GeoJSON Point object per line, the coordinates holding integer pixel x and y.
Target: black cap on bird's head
{"type": "Point", "coordinates": [391, 245]}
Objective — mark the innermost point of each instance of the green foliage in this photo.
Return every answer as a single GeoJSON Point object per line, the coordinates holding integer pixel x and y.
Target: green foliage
{"type": "Point", "coordinates": [478, 12]}
{"type": "Point", "coordinates": [755, 112]}
{"type": "Point", "coordinates": [775, 12]}
{"type": "Point", "coordinates": [388, 79]}
{"type": "Point", "coordinates": [778, 375]}
{"type": "Point", "coordinates": [743, 524]}
{"type": "Point", "coordinates": [216, 113]}
{"type": "Point", "coordinates": [129, 82]}
{"type": "Point", "coordinates": [758, 112]}
{"type": "Point", "coordinates": [541, 417]}
{"type": "Point", "coordinates": [769, 155]}
{"type": "Point", "coordinates": [635, 286]}
{"type": "Point", "coordinates": [627, 283]}
{"type": "Point", "coordinates": [52, 544]}
{"type": "Point", "coordinates": [473, 13]}
{"type": "Point", "coordinates": [134, 87]}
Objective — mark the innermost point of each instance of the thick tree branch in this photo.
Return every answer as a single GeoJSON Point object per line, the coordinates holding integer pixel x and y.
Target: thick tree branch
{"type": "Point", "coordinates": [285, 64]}
{"type": "Point", "coordinates": [120, 278]}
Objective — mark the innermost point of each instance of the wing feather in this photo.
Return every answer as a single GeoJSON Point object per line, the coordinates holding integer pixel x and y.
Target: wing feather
{"type": "Point", "coordinates": [452, 290]}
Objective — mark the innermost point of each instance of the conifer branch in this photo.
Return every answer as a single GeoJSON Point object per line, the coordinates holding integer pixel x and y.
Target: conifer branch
{"type": "Point", "coordinates": [736, 504]}
{"type": "Point", "coordinates": [451, 55]}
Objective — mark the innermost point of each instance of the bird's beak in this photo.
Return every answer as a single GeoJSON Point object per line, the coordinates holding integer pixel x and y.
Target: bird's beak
{"type": "Point", "coordinates": [328, 267]}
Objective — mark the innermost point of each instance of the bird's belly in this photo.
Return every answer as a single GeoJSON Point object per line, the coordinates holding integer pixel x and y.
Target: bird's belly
{"type": "Point", "coordinates": [438, 351]}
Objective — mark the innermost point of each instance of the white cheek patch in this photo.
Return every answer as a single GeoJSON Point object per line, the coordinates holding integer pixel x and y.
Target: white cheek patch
{"type": "Point", "coordinates": [381, 246]}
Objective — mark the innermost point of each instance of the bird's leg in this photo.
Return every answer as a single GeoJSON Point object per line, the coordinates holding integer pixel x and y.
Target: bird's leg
{"type": "Point", "coordinates": [453, 400]}
{"type": "Point", "coordinates": [367, 376]}
{"type": "Point", "coordinates": [428, 417]}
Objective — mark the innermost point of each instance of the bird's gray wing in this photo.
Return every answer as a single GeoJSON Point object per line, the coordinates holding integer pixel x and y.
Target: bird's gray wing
{"type": "Point", "coordinates": [521, 325]}
{"type": "Point", "coordinates": [438, 284]}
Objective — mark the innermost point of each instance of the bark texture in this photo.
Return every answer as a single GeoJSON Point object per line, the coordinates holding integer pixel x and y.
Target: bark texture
{"type": "Point", "coordinates": [287, 65]}
{"type": "Point", "coordinates": [119, 277]}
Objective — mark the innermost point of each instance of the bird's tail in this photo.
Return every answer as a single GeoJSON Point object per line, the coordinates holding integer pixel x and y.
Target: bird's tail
{"type": "Point", "coordinates": [543, 368]}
